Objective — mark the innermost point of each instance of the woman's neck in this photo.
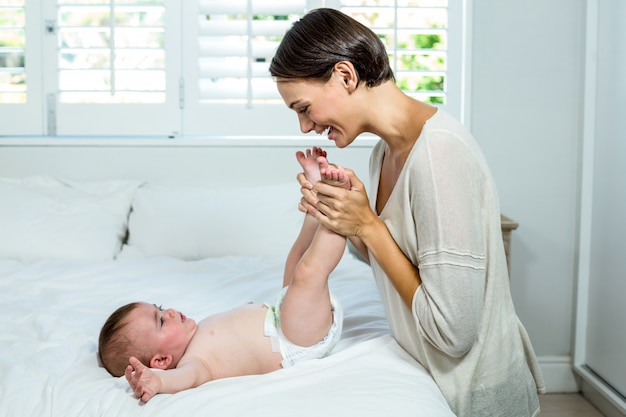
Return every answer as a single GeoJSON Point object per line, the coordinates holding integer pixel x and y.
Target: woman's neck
{"type": "Point", "coordinates": [397, 118]}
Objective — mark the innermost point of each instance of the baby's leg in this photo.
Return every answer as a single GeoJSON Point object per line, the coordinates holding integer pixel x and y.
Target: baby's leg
{"type": "Point", "coordinates": [306, 314]}
{"type": "Point", "coordinates": [311, 168]}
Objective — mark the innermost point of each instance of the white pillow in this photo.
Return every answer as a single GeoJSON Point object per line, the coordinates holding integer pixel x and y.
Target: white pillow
{"type": "Point", "coordinates": [47, 218]}
{"type": "Point", "coordinates": [194, 222]}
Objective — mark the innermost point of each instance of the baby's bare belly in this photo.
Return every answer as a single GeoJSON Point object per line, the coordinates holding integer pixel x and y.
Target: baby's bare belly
{"type": "Point", "coordinates": [234, 343]}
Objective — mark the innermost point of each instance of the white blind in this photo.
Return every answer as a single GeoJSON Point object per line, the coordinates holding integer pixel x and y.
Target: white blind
{"type": "Point", "coordinates": [237, 40]}
{"type": "Point", "coordinates": [194, 68]}
{"type": "Point", "coordinates": [230, 90]}
{"type": "Point", "coordinates": [111, 51]}
{"type": "Point", "coordinates": [113, 67]}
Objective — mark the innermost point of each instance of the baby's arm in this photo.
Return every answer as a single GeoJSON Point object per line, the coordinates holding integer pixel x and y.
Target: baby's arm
{"type": "Point", "coordinates": [146, 383]}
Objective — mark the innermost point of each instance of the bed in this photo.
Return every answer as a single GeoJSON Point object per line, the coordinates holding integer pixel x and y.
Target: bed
{"type": "Point", "coordinates": [201, 227]}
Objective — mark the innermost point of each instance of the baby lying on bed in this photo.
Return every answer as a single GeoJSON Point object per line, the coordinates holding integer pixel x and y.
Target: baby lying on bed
{"type": "Point", "coordinates": [252, 339]}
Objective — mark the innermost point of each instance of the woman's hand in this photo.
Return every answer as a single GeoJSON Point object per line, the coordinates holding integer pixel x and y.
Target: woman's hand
{"type": "Point", "coordinates": [309, 197]}
{"type": "Point", "coordinates": [346, 212]}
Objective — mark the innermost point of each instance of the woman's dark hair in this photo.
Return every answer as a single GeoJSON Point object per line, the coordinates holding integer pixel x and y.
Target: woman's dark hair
{"type": "Point", "coordinates": [323, 37]}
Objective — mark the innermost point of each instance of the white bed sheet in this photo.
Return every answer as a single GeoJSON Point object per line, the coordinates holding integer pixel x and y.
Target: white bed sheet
{"type": "Point", "coordinates": [52, 312]}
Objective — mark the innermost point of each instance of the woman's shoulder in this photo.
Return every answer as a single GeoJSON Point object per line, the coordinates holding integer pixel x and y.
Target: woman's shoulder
{"type": "Point", "coordinates": [442, 120]}
{"type": "Point", "coordinates": [443, 131]}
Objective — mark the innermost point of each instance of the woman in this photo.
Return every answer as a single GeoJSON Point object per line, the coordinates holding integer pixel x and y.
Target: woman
{"type": "Point", "coordinates": [432, 233]}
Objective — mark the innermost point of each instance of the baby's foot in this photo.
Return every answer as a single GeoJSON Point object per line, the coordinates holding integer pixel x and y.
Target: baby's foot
{"type": "Point", "coordinates": [309, 163]}
{"type": "Point", "coordinates": [333, 174]}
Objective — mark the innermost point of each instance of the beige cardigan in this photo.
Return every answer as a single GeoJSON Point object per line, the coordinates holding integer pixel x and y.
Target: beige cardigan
{"type": "Point", "coordinates": [444, 214]}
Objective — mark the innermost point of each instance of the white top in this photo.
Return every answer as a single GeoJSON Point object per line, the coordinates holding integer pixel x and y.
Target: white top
{"type": "Point", "coordinates": [444, 214]}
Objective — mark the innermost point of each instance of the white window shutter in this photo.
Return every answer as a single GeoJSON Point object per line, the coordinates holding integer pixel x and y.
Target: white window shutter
{"type": "Point", "coordinates": [118, 67]}
{"type": "Point", "coordinates": [229, 90]}
{"type": "Point", "coordinates": [21, 98]}
{"type": "Point", "coordinates": [236, 40]}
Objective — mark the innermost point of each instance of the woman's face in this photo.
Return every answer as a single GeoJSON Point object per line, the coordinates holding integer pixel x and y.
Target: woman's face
{"type": "Point", "coordinates": [321, 107]}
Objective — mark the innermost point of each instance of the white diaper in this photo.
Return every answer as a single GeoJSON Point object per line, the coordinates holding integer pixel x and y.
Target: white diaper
{"type": "Point", "coordinates": [292, 353]}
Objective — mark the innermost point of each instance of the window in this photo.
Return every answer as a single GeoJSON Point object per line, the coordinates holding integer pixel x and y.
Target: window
{"type": "Point", "coordinates": [230, 85]}
{"type": "Point", "coordinates": [415, 38]}
{"type": "Point", "coordinates": [174, 68]}
{"type": "Point", "coordinates": [21, 103]}
{"type": "Point", "coordinates": [111, 67]}
{"type": "Point", "coordinates": [12, 48]}
{"type": "Point", "coordinates": [424, 39]}
{"type": "Point", "coordinates": [237, 41]}
{"type": "Point", "coordinates": [111, 52]}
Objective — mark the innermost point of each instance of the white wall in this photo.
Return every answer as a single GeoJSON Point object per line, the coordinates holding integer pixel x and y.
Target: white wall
{"type": "Point", "coordinates": [527, 85]}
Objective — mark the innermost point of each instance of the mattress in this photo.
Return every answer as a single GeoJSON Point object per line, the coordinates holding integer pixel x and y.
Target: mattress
{"type": "Point", "coordinates": [52, 311]}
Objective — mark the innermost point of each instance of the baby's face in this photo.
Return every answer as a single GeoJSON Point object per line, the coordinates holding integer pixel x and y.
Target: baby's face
{"type": "Point", "coordinates": [164, 332]}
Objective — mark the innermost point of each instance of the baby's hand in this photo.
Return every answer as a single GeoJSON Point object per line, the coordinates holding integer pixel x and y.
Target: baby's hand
{"type": "Point", "coordinates": [142, 380]}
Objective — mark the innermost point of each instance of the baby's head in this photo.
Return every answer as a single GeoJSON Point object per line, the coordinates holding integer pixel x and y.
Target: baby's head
{"type": "Point", "coordinates": [157, 337]}
{"type": "Point", "coordinates": [115, 344]}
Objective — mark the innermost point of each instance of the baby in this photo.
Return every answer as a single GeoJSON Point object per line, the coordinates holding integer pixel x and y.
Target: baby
{"type": "Point", "coordinates": [164, 351]}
